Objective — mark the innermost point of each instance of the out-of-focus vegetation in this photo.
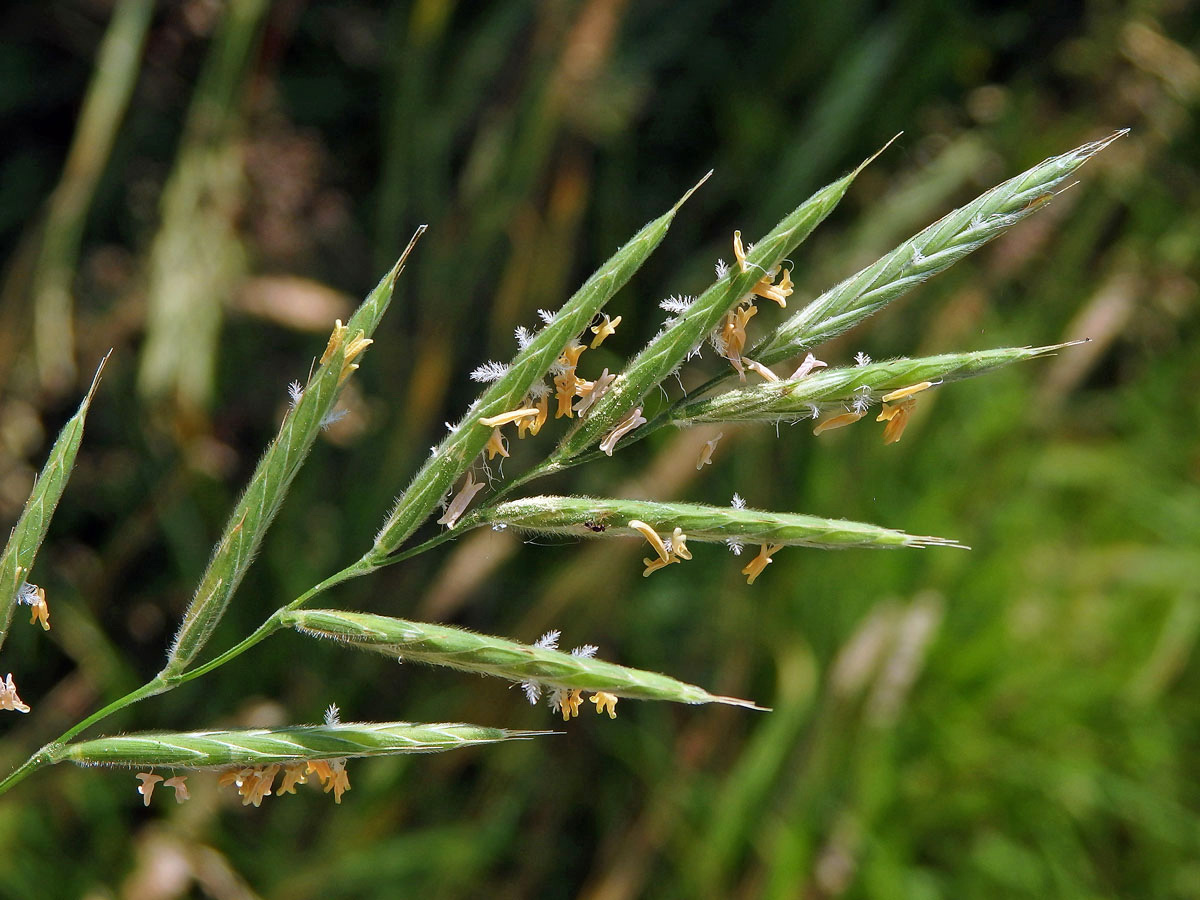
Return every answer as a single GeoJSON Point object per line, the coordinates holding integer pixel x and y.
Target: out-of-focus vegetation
{"type": "Point", "coordinates": [1017, 721]}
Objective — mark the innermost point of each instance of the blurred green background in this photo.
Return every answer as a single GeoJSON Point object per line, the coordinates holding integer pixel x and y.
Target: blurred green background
{"type": "Point", "coordinates": [1017, 721]}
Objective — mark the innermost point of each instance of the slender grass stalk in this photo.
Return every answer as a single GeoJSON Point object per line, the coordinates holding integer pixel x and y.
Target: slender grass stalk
{"type": "Point", "coordinates": [197, 256]}
{"type": "Point", "coordinates": [787, 401]}
{"type": "Point", "coordinates": [925, 254]}
{"type": "Point", "coordinates": [456, 648]}
{"type": "Point", "coordinates": [602, 518]}
{"type": "Point", "coordinates": [30, 530]}
{"type": "Point", "coordinates": [118, 61]}
{"type": "Point", "coordinates": [265, 746]}
{"type": "Point", "coordinates": [467, 439]}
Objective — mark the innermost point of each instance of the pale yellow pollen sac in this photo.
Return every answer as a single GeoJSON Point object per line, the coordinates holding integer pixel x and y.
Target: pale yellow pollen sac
{"type": "Point", "coordinates": [294, 774]}
{"type": "Point", "coordinates": [733, 335]}
{"type": "Point", "coordinates": [759, 369]}
{"type": "Point", "coordinates": [8, 696]}
{"type": "Point", "coordinates": [179, 784]}
{"type": "Point", "coordinates": [778, 291]}
{"type": "Point", "coordinates": [495, 445]}
{"type": "Point", "coordinates": [677, 551]}
{"type": "Point", "coordinates": [653, 565]}
{"type": "Point", "coordinates": [233, 776]}
{"type": "Point", "coordinates": [332, 774]}
{"type": "Point", "coordinates": [810, 363]}
{"type": "Point", "coordinates": [838, 422]}
{"type": "Point", "coordinates": [461, 501]}
{"type": "Point", "coordinates": [593, 392]}
{"type": "Point", "coordinates": [564, 393]}
{"type": "Point", "coordinates": [903, 392]}
{"type": "Point", "coordinates": [569, 702]}
{"type": "Point", "coordinates": [626, 425]}
{"type": "Point", "coordinates": [513, 415]}
{"type": "Point", "coordinates": [321, 767]}
{"type": "Point", "coordinates": [353, 350]}
{"type": "Point", "coordinates": [896, 415]}
{"type": "Point", "coordinates": [755, 567]}
{"type": "Point", "coordinates": [335, 341]}
{"type": "Point", "coordinates": [570, 355]}
{"type": "Point", "coordinates": [652, 536]}
{"type": "Point", "coordinates": [706, 451]}
{"type": "Point", "coordinates": [258, 785]}
{"type": "Point", "coordinates": [739, 252]}
{"type": "Point", "coordinates": [146, 788]}
{"type": "Point", "coordinates": [604, 329]}
{"type": "Point", "coordinates": [605, 700]}
{"type": "Point", "coordinates": [41, 611]}
{"type": "Point", "coordinates": [679, 548]}
{"type": "Point", "coordinates": [538, 420]}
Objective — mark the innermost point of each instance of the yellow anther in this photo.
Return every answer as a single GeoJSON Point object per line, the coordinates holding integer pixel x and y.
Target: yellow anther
{"type": "Point", "coordinates": [335, 341]}
{"type": "Point", "coordinates": [570, 355]}
{"type": "Point", "coordinates": [778, 291]}
{"type": "Point", "coordinates": [179, 784]}
{"type": "Point", "coordinates": [543, 411]}
{"type": "Point", "coordinates": [292, 775]}
{"type": "Point", "coordinates": [512, 415]}
{"type": "Point", "coordinates": [838, 422]}
{"type": "Point", "coordinates": [146, 788]}
{"type": "Point", "coordinates": [40, 609]}
{"type": "Point", "coordinates": [903, 392]}
{"type": "Point", "coordinates": [652, 536]}
{"type": "Point", "coordinates": [8, 696]}
{"type": "Point", "coordinates": [739, 252]}
{"type": "Point", "coordinates": [755, 567]}
{"type": "Point", "coordinates": [604, 329]}
{"type": "Point", "coordinates": [604, 700]}
{"type": "Point", "coordinates": [706, 451]}
{"type": "Point", "coordinates": [896, 416]}
{"type": "Point", "coordinates": [569, 702]}
{"type": "Point", "coordinates": [759, 369]}
{"type": "Point", "coordinates": [496, 446]}
{"type": "Point", "coordinates": [626, 425]}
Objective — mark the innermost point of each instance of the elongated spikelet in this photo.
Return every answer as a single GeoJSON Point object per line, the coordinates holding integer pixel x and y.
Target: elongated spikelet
{"type": "Point", "coordinates": [250, 519]}
{"type": "Point", "coordinates": [924, 255]}
{"type": "Point", "coordinates": [266, 746]}
{"type": "Point", "coordinates": [577, 516]}
{"type": "Point", "coordinates": [790, 400]}
{"type": "Point", "coordinates": [31, 528]}
{"type": "Point", "coordinates": [455, 648]}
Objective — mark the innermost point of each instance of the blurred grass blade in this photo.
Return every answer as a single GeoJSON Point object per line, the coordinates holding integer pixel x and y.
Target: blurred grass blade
{"type": "Point", "coordinates": [265, 746]}
{"type": "Point", "coordinates": [787, 401]}
{"type": "Point", "coordinates": [269, 484]}
{"type": "Point", "coordinates": [924, 255]}
{"type": "Point", "coordinates": [118, 61]}
{"type": "Point", "coordinates": [465, 442]}
{"type": "Point", "coordinates": [596, 517]}
{"type": "Point", "coordinates": [665, 353]}
{"type": "Point", "coordinates": [31, 528]}
{"type": "Point", "coordinates": [197, 257]}
{"type": "Point", "coordinates": [455, 648]}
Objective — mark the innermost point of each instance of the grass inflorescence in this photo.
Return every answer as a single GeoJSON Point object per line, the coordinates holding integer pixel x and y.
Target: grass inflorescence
{"type": "Point", "coordinates": [610, 410]}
